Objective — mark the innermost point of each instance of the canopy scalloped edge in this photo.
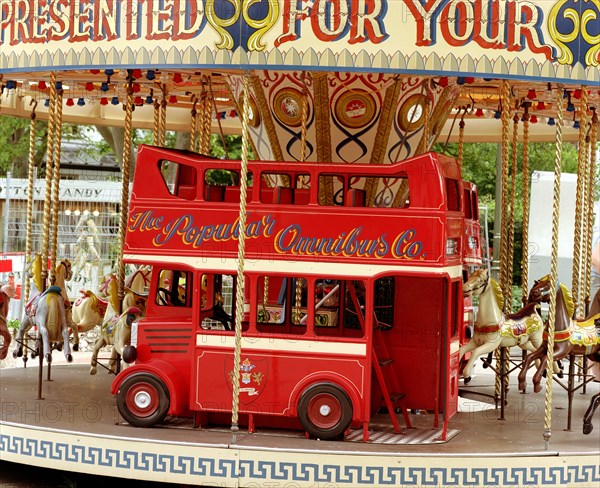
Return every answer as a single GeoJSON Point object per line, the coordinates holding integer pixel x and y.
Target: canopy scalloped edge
{"type": "Point", "coordinates": [293, 59]}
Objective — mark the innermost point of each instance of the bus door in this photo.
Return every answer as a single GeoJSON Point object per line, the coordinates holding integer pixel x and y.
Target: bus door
{"type": "Point", "coordinates": [422, 339]}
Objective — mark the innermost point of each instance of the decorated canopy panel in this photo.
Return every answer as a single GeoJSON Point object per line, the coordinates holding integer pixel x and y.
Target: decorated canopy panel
{"type": "Point", "coordinates": [552, 40]}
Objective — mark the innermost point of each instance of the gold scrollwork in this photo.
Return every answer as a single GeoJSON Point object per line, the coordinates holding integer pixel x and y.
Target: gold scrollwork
{"type": "Point", "coordinates": [242, 7]}
{"type": "Point", "coordinates": [219, 24]}
{"type": "Point", "coordinates": [263, 26]}
{"type": "Point", "coordinates": [580, 24]}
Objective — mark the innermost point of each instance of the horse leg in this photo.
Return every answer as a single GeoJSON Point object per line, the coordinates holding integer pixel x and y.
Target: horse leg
{"type": "Point", "coordinates": [7, 338]}
{"type": "Point", "coordinates": [112, 363]}
{"type": "Point", "coordinates": [23, 328]}
{"type": "Point", "coordinates": [100, 343]}
{"type": "Point", "coordinates": [46, 349]}
{"type": "Point", "coordinates": [589, 413]}
{"type": "Point", "coordinates": [530, 358]}
{"type": "Point", "coordinates": [478, 351]}
{"type": "Point", "coordinates": [67, 351]}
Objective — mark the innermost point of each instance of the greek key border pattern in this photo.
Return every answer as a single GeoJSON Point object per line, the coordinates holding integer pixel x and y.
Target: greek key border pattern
{"type": "Point", "coordinates": [347, 475]}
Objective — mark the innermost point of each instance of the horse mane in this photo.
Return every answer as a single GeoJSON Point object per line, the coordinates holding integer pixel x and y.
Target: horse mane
{"type": "Point", "coordinates": [567, 297]}
{"type": "Point", "coordinates": [497, 293]}
{"type": "Point", "coordinates": [35, 269]}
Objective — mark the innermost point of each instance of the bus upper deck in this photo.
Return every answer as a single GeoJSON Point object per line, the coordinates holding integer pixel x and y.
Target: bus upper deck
{"type": "Point", "coordinates": [184, 204]}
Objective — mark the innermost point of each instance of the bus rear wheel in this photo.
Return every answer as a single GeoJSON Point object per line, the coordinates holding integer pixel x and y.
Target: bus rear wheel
{"type": "Point", "coordinates": [325, 411]}
{"type": "Point", "coordinates": [143, 400]}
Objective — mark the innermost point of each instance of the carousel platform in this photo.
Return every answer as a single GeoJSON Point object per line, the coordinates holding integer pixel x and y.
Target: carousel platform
{"type": "Point", "coordinates": [77, 427]}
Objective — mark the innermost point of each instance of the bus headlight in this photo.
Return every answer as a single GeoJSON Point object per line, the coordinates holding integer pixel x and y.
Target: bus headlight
{"type": "Point", "coordinates": [129, 354]}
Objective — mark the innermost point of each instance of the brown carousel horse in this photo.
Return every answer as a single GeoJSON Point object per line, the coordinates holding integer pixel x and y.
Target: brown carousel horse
{"type": "Point", "coordinates": [570, 336]}
{"type": "Point", "coordinates": [6, 293]}
{"type": "Point", "coordinates": [494, 329]}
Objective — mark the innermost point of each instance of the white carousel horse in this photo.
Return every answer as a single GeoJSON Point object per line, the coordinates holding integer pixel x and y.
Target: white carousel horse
{"type": "Point", "coordinates": [6, 293]}
{"type": "Point", "coordinates": [90, 310]}
{"type": "Point", "coordinates": [493, 329]}
{"type": "Point", "coordinates": [112, 329]}
{"type": "Point", "coordinates": [51, 309]}
{"type": "Point", "coordinates": [115, 332]}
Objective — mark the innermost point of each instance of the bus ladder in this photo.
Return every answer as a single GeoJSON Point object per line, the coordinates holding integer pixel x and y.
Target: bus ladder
{"type": "Point", "coordinates": [379, 365]}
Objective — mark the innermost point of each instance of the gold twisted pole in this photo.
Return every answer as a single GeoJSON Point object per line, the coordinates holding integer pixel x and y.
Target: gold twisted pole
{"type": "Point", "coordinates": [590, 199]}
{"type": "Point", "coordinates": [193, 122]}
{"type": "Point", "coordinates": [30, 195]}
{"type": "Point", "coordinates": [511, 218]}
{"type": "Point", "coordinates": [525, 238]}
{"type": "Point", "coordinates": [553, 269]}
{"type": "Point", "coordinates": [505, 101]}
{"type": "Point", "coordinates": [424, 143]}
{"type": "Point", "coordinates": [56, 187]}
{"type": "Point", "coordinates": [298, 312]}
{"type": "Point", "coordinates": [207, 125]}
{"type": "Point", "coordinates": [505, 116]}
{"type": "Point", "coordinates": [49, 171]}
{"type": "Point", "coordinates": [239, 299]}
{"type": "Point", "coordinates": [125, 173]}
{"type": "Point", "coordinates": [461, 141]}
{"type": "Point", "coordinates": [156, 131]}
{"type": "Point", "coordinates": [162, 130]}
{"type": "Point", "coordinates": [579, 202]}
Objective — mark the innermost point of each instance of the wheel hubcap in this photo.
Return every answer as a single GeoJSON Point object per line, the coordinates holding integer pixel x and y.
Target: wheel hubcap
{"type": "Point", "coordinates": [142, 400]}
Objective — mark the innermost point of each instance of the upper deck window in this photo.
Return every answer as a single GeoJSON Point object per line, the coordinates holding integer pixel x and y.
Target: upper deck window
{"type": "Point", "coordinates": [285, 188]}
{"type": "Point", "coordinates": [223, 185]}
{"type": "Point", "coordinates": [181, 180]}
{"type": "Point", "coordinates": [364, 191]}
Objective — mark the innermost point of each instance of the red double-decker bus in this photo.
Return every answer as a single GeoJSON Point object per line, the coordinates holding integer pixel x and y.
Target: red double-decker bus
{"type": "Point", "coordinates": [353, 291]}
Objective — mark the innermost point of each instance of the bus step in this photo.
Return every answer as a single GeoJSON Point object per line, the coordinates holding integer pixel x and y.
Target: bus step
{"type": "Point", "coordinates": [395, 397]}
{"type": "Point", "coordinates": [385, 362]}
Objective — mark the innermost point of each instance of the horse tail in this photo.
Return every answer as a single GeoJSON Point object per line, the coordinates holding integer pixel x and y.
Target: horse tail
{"type": "Point", "coordinates": [55, 317]}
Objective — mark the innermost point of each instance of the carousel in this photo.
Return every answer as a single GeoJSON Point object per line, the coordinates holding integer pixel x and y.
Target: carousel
{"type": "Point", "coordinates": [307, 82]}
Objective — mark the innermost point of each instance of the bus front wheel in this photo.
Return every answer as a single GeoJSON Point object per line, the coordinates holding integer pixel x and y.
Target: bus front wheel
{"type": "Point", "coordinates": [143, 400]}
{"type": "Point", "coordinates": [325, 411]}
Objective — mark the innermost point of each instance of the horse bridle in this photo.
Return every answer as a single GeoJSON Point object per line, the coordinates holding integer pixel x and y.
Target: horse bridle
{"type": "Point", "coordinates": [482, 287]}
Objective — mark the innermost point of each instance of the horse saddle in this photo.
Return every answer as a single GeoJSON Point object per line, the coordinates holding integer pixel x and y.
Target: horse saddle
{"type": "Point", "coordinates": [584, 333]}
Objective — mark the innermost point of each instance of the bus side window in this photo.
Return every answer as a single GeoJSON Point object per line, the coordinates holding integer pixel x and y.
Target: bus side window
{"type": "Point", "coordinates": [282, 304]}
{"type": "Point", "coordinates": [172, 288]}
{"type": "Point", "coordinates": [217, 302]}
{"type": "Point", "coordinates": [335, 313]}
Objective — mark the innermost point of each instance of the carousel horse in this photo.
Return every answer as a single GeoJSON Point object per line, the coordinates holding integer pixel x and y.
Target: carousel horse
{"type": "Point", "coordinates": [580, 338]}
{"type": "Point", "coordinates": [45, 310]}
{"type": "Point", "coordinates": [494, 329]}
{"type": "Point", "coordinates": [589, 413]}
{"type": "Point", "coordinates": [88, 311]}
{"type": "Point", "coordinates": [6, 293]}
{"type": "Point", "coordinates": [116, 332]}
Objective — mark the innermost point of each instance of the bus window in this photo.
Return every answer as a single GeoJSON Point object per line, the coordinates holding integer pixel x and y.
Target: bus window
{"type": "Point", "coordinates": [384, 302]}
{"type": "Point", "coordinates": [173, 289]}
{"type": "Point", "coordinates": [452, 195]}
{"type": "Point", "coordinates": [282, 304]}
{"type": "Point", "coordinates": [223, 185]}
{"type": "Point", "coordinates": [217, 302]}
{"type": "Point", "coordinates": [327, 303]}
{"type": "Point", "coordinates": [181, 180]}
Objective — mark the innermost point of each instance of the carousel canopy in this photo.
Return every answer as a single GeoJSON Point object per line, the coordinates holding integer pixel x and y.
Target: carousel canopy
{"type": "Point", "coordinates": [373, 73]}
